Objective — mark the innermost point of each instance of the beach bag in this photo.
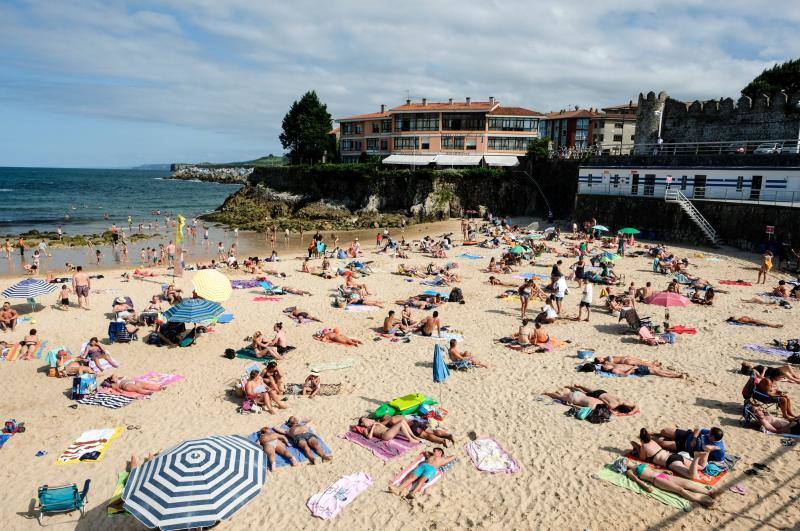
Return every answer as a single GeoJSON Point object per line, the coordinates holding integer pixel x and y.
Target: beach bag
{"type": "Point", "coordinates": [83, 385]}
{"type": "Point", "coordinates": [793, 345]}
{"type": "Point", "coordinates": [794, 359]}
{"type": "Point", "coordinates": [456, 295]}
{"type": "Point", "coordinates": [230, 353]}
{"type": "Point", "coordinates": [599, 415]}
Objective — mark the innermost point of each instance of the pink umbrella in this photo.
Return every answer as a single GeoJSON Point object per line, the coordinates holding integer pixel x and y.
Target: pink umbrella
{"type": "Point", "coordinates": [668, 300]}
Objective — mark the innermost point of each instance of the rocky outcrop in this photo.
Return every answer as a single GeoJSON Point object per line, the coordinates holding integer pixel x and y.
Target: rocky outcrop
{"type": "Point", "coordinates": [233, 175]}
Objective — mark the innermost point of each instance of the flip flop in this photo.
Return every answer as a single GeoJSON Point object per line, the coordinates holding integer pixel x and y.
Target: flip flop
{"type": "Point", "coordinates": [762, 466]}
{"type": "Point", "coordinates": [134, 427]}
{"type": "Point", "coordinates": [738, 489]}
{"type": "Point", "coordinates": [752, 472]}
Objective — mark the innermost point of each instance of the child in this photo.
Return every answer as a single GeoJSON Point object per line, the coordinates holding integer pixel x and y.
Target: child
{"type": "Point", "coordinates": [29, 345]}
{"type": "Point", "coordinates": [63, 297]}
{"type": "Point", "coordinates": [424, 472]}
{"type": "Point", "coordinates": [312, 384]}
{"type": "Point", "coordinates": [98, 256]}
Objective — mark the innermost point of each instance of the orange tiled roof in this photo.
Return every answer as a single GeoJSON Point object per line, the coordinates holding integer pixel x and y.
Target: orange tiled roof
{"type": "Point", "coordinates": [580, 113]}
{"type": "Point", "coordinates": [455, 106]}
{"type": "Point", "coordinates": [513, 111]}
{"type": "Point", "coordinates": [623, 106]}
{"type": "Point", "coordinates": [368, 116]}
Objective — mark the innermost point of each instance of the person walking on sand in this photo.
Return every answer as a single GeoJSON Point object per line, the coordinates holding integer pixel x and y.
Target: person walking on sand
{"type": "Point", "coordinates": [286, 236]}
{"type": "Point", "coordinates": [7, 248]}
{"type": "Point", "coordinates": [586, 302]}
{"type": "Point", "coordinates": [81, 284]}
{"type": "Point", "coordinates": [766, 267]}
{"type": "Point", "coordinates": [22, 246]}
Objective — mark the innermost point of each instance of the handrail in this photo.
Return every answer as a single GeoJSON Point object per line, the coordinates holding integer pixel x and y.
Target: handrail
{"type": "Point", "coordinates": [694, 213]}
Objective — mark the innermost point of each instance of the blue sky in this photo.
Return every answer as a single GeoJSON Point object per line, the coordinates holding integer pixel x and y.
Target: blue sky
{"type": "Point", "coordinates": [110, 83]}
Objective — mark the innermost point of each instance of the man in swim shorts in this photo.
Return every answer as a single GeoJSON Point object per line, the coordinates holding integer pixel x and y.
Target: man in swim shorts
{"type": "Point", "coordinates": [425, 472]}
{"type": "Point", "coordinates": [81, 285]}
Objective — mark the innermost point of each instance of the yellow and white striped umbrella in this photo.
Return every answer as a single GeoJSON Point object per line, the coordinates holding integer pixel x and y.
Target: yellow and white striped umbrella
{"type": "Point", "coordinates": [212, 285]}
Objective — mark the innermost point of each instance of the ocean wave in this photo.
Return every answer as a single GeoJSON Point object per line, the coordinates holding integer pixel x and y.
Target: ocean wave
{"type": "Point", "coordinates": [6, 189]}
{"type": "Point", "coordinates": [158, 178]}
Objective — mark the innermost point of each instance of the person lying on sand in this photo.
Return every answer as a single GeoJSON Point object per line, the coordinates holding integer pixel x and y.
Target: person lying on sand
{"type": "Point", "coordinates": [463, 360]}
{"type": "Point", "coordinates": [425, 472]}
{"type": "Point", "coordinates": [30, 343]}
{"type": "Point", "coordinates": [387, 428]}
{"type": "Point", "coordinates": [405, 270]}
{"type": "Point", "coordinates": [421, 428]}
{"type": "Point", "coordinates": [334, 336]}
{"type": "Point", "coordinates": [750, 321]}
{"type": "Point", "coordinates": [71, 366]}
{"type": "Point", "coordinates": [494, 281]}
{"type": "Point", "coordinates": [95, 351]}
{"type": "Point", "coordinates": [694, 441]}
{"type": "Point", "coordinates": [302, 438]}
{"type": "Point", "coordinates": [120, 383]}
{"type": "Point", "coordinates": [647, 477]}
{"type": "Point", "coordinates": [300, 315]}
{"type": "Point", "coordinates": [575, 397]}
{"type": "Point", "coordinates": [627, 360]}
{"type": "Point", "coordinates": [615, 403]}
{"type": "Point", "coordinates": [624, 369]}
{"type": "Point", "coordinates": [649, 451]}
{"type": "Point", "coordinates": [783, 373]}
{"type": "Point", "coordinates": [275, 443]}
{"type": "Point", "coordinates": [776, 424]}
{"type": "Point", "coordinates": [357, 299]}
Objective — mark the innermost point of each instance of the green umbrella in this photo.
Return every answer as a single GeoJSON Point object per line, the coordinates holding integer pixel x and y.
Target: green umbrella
{"type": "Point", "coordinates": [517, 249]}
{"type": "Point", "coordinates": [610, 257]}
{"type": "Point", "coordinates": [627, 230]}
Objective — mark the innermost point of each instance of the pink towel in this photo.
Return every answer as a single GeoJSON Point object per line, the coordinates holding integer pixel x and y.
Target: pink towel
{"type": "Point", "coordinates": [337, 496]}
{"type": "Point", "coordinates": [159, 378]}
{"type": "Point", "coordinates": [262, 298]}
{"type": "Point", "coordinates": [385, 450]}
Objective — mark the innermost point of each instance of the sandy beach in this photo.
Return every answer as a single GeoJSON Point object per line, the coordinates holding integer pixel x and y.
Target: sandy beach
{"type": "Point", "coordinates": [559, 455]}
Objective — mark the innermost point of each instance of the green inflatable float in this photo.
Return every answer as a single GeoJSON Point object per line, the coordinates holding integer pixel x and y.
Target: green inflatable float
{"type": "Point", "coordinates": [405, 405]}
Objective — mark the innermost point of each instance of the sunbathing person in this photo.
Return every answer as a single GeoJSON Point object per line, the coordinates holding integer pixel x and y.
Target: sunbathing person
{"type": "Point", "coordinates": [750, 321]}
{"type": "Point", "coordinates": [463, 360]}
{"type": "Point", "coordinates": [694, 441]}
{"type": "Point", "coordinates": [29, 345]}
{"type": "Point", "coordinates": [644, 293]}
{"type": "Point", "coordinates": [644, 476]}
{"type": "Point", "coordinates": [294, 291]}
{"type": "Point", "coordinates": [424, 472]}
{"type": "Point", "coordinates": [119, 383]}
{"type": "Point", "coordinates": [627, 360]}
{"type": "Point", "coordinates": [782, 290]}
{"type": "Point", "coordinates": [615, 403]}
{"type": "Point", "coordinates": [784, 372]}
{"type": "Point", "coordinates": [300, 315]}
{"type": "Point", "coordinates": [387, 428]}
{"type": "Point", "coordinates": [275, 443]}
{"type": "Point", "coordinates": [776, 424]}
{"type": "Point", "coordinates": [429, 324]}
{"type": "Point", "coordinates": [71, 366]}
{"type": "Point", "coordinates": [420, 302]}
{"type": "Point", "coordinates": [351, 283]}
{"type": "Point", "coordinates": [261, 346]}
{"type": "Point", "coordinates": [767, 386]}
{"type": "Point", "coordinates": [173, 294]}
{"type": "Point", "coordinates": [357, 299]}
{"type": "Point", "coordinates": [277, 346]}
{"type": "Point", "coordinates": [624, 369]}
{"type": "Point", "coordinates": [494, 281]}
{"type": "Point", "coordinates": [334, 336]}
{"type": "Point", "coordinates": [312, 384]}
{"type": "Point", "coordinates": [422, 429]}
{"type": "Point", "coordinates": [95, 351]}
{"type": "Point", "coordinates": [393, 325]}
{"type": "Point", "coordinates": [258, 392]}
{"type": "Point", "coordinates": [706, 299]}
{"type": "Point", "coordinates": [649, 451]}
{"type": "Point", "coordinates": [301, 436]}
{"type": "Point", "coordinates": [403, 269]}
{"type": "Point", "coordinates": [574, 397]}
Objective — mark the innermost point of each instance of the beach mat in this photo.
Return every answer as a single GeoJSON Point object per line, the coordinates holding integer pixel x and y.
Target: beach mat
{"type": "Point", "coordinates": [769, 350]}
{"type": "Point", "coordinates": [106, 400]}
{"type": "Point", "coordinates": [383, 450]}
{"type": "Point", "coordinates": [399, 478]}
{"type": "Point", "coordinates": [332, 499]}
{"type": "Point", "coordinates": [621, 480]}
{"type": "Point", "coordinates": [248, 353]}
{"type": "Point", "coordinates": [101, 365]}
{"type": "Point", "coordinates": [526, 276]}
{"type": "Point", "coordinates": [159, 378]}
{"type": "Point", "coordinates": [4, 437]}
{"type": "Point", "coordinates": [705, 479]}
{"type": "Point", "coordinates": [296, 453]}
{"type": "Point", "coordinates": [87, 443]}
{"type": "Point", "coordinates": [470, 256]}
{"type": "Point", "coordinates": [446, 336]}
{"type": "Point", "coordinates": [488, 455]}
{"type": "Point", "coordinates": [360, 308]}
{"type": "Point", "coordinates": [332, 365]}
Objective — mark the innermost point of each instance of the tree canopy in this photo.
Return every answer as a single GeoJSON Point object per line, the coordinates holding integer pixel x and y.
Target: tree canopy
{"type": "Point", "coordinates": [306, 129]}
{"type": "Point", "coordinates": [785, 76]}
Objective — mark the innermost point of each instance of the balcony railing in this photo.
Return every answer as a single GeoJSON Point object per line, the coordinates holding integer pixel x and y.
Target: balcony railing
{"type": "Point", "coordinates": [698, 193]}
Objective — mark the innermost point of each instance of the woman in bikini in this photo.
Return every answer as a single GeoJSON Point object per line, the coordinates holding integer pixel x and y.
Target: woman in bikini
{"type": "Point", "coordinates": [649, 451]}
{"type": "Point", "coordinates": [628, 360]}
{"type": "Point", "coordinates": [647, 477]}
{"type": "Point", "coordinates": [300, 316]}
{"type": "Point", "coordinates": [275, 443]}
{"type": "Point", "coordinates": [260, 393]}
{"type": "Point", "coordinates": [95, 351]}
{"type": "Point", "coordinates": [334, 336]}
{"type": "Point", "coordinates": [766, 267]}
{"type": "Point", "coordinates": [387, 428]}
{"type": "Point", "coordinates": [120, 383]}
{"type": "Point", "coordinates": [29, 345]}
{"type": "Point", "coordinates": [750, 321]}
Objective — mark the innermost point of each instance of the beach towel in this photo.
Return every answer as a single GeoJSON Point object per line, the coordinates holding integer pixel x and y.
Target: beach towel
{"type": "Point", "coordinates": [262, 298]}
{"type": "Point", "coordinates": [332, 365]}
{"type": "Point", "coordinates": [296, 453]}
{"type": "Point", "coordinates": [526, 276]}
{"type": "Point", "coordinates": [159, 378]}
{"type": "Point", "coordinates": [247, 353]}
{"type": "Point", "coordinates": [704, 478]}
{"type": "Point", "coordinates": [101, 365]}
{"type": "Point", "coordinates": [108, 400]}
{"type": "Point", "coordinates": [433, 293]}
{"type": "Point", "coordinates": [470, 256]}
{"type": "Point", "coordinates": [113, 507]}
{"type": "Point", "coordinates": [445, 336]}
{"type": "Point", "coordinates": [335, 497]}
{"type": "Point", "coordinates": [489, 456]}
{"type": "Point", "coordinates": [360, 308]}
{"type": "Point", "coordinates": [245, 284]}
{"type": "Point", "coordinates": [769, 350]}
{"type": "Point", "coordinates": [225, 318]}
{"type": "Point", "coordinates": [3, 438]}
{"type": "Point", "coordinates": [604, 374]}
{"type": "Point", "coordinates": [296, 389]}
{"type": "Point", "coordinates": [384, 450]}
{"type": "Point", "coordinates": [89, 442]}
{"type": "Point", "coordinates": [621, 480]}
{"type": "Point", "coordinates": [735, 283]}
{"type": "Point", "coordinates": [680, 329]}
{"type": "Point", "coordinates": [433, 282]}
{"type": "Point", "coordinates": [12, 352]}
{"type": "Point", "coordinates": [399, 478]}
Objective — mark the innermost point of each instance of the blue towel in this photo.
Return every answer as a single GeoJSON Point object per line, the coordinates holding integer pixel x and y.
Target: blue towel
{"type": "Point", "coordinates": [531, 275]}
{"type": "Point", "coordinates": [282, 461]}
{"type": "Point", "coordinates": [225, 318]}
{"type": "Point", "coordinates": [434, 293]}
{"type": "Point", "coordinates": [432, 282]}
{"type": "Point", "coordinates": [604, 374]}
{"type": "Point", "coordinates": [470, 256]}
{"type": "Point", "coordinates": [713, 470]}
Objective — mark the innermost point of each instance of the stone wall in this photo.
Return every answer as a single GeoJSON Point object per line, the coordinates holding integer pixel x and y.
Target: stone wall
{"type": "Point", "coordinates": [723, 120]}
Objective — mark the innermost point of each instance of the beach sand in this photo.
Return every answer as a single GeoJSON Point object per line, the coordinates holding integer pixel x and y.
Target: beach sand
{"type": "Point", "coordinates": [559, 455]}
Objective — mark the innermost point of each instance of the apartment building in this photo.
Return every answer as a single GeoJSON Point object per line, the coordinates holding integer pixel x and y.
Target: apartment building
{"type": "Point", "coordinates": [569, 129]}
{"type": "Point", "coordinates": [615, 130]}
{"type": "Point", "coordinates": [463, 133]}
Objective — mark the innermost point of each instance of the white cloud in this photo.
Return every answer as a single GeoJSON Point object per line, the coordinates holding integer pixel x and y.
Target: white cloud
{"type": "Point", "coordinates": [235, 66]}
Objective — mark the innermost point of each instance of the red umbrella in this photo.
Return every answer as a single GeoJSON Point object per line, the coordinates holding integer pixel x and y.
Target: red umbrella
{"type": "Point", "coordinates": [668, 299]}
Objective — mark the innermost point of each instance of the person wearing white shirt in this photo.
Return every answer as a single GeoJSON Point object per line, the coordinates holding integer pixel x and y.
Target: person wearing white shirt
{"type": "Point", "coordinates": [560, 292]}
{"type": "Point", "coordinates": [586, 301]}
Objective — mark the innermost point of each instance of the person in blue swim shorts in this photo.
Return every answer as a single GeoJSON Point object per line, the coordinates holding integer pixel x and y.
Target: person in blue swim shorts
{"type": "Point", "coordinates": [424, 472]}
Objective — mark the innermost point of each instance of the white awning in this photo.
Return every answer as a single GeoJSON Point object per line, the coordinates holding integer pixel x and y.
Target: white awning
{"type": "Point", "coordinates": [415, 160]}
{"type": "Point", "coordinates": [458, 160]}
{"type": "Point", "coordinates": [501, 160]}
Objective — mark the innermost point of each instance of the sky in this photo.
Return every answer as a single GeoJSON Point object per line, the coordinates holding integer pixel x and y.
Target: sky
{"type": "Point", "coordinates": [114, 83]}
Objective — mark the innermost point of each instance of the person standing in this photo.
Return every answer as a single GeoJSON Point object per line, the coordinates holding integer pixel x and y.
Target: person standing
{"type": "Point", "coordinates": [81, 284]}
{"type": "Point", "coordinates": [59, 232]}
{"type": "Point", "coordinates": [7, 248]}
{"type": "Point", "coordinates": [586, 301]}
{"type": "Point", "coordinates": [560, 292]}
{"type": "Point", "coordinates": [21, 245]}
{"type": "Point", "coordinates": [171, 254]}
{"type": "Point", "coordinates": [286, 236]}
{"type": "Point", "coordinates": [766, 266]}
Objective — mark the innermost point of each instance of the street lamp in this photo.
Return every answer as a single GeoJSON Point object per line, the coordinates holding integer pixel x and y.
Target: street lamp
{"type": "Point", "coordinates": [660, 117]}
{"type": "Point", "coordinates": [546, 202]}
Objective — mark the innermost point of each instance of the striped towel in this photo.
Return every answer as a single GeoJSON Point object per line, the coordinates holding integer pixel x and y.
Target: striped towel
{"type": "Point", "coordinates": [106, 400]}
{"type": "Point", "coordinates": [12, 352]}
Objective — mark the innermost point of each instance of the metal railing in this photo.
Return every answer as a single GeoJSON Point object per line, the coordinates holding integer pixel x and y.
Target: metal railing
{"type": "Point", "coordinates": [700, 193]}
{"type": "Point", "coordinates": [676, 196]}
{"type": "Point", "coordinates": [757, 147]}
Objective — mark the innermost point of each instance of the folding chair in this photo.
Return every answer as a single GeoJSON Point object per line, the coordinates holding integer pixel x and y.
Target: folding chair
{"type": "Point", "coordinates": [64, 499]}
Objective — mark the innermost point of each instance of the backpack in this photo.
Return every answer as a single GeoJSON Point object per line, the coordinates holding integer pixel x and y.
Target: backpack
{"type": "Point", "coordinates": [456, 295]}
{"type": "Point", "coordinates": [794, 358]}
{"type": "Point", "coordinates": [230, 353]}
{"type": "Point", "coordinates": [793, 345]}
{"type": "Point", "coordinates": [599, 415]}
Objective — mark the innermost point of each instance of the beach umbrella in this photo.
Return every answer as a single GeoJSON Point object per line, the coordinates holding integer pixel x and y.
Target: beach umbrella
{"type": "Point", "coordinates": [196, 484]}
{"type": "Point", "coordinates": [535, 236]}
{"type": "Point", "coordinates": [600, 228]}
{"type": "Point", "coordinates": [628, 230]}
{"type": "Point", "coordinates": [610, 257]}
{"type": "Point", "coordinates": [440, 370]}
{"type": "Point", "coordinates": [550, 229]}
{"type": "Point", "coordinates": [30, 288]}
{"type": "Point", "coordinates": [193, 311]}
{"type": "Point", "coordinates": [212, 285]}
{"type": "Point", "coordinates": [517, 249]}
{"type": "Point", "coordinates": [668, 299]}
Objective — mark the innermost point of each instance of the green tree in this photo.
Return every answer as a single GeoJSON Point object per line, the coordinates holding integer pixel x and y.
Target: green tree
{"type": "Point", "coordinates": [539, 148]}
{"type": "Point", "coordinates": [785, 76]}
{"type": "Point", "coordinates": [306, 129]}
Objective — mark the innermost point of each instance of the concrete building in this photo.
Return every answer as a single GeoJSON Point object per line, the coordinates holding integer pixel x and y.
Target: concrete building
{"type": "Point", "coordinates": [615, 130]}
{"type": "Point", "coordinates": [463, 133]}
{"type": "Point", "coordinates": [569, 129]}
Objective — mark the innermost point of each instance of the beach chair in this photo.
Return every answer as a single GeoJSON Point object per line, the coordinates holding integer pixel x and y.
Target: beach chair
{"type": "Point", "coordinates": [755, 398]}
{"type": "Point", "coordinates": [647, 336]}
{"type": "Point", "coordinates": [271, 289]}
{"type": "Point", "coordinates": [64, 499]}
{"type": "Point", "coordinates": [635, 323]}
{"type": "Point", "coordinates": [117, 333]}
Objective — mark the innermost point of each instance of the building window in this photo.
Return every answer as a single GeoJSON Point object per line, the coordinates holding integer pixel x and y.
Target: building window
{"type": "Point", "coordinates": [633, 137]}
{"type": "Point", "coordinates": [352, 128]}
{"type": "Point", "coordinates": [618, 125]}
{"type": "Point", "coordinates": [425, 142]}
{"type": "Point", "coordinates": [617, 138]}
{"type": "Point", "coordinates": [508, 143]}
{"type": "Point", "coordinates": [373, 144]}
{"type": "Point", "coordinates": [350, 145]}
{"type": "Point", "coordinates": [589, 181]}
{"type": "Point", "coordinates": [422, 121]}
{"type": "Point", "coordinates": [601, 136]}
{"type": "Point", "coordinates": [406, 142]}
{"type": "Point", "coordinates": [384, 145]}
{"type": "Point", "coordinates": [513, 124]}
{"type": "Point", "coordinates": [684, 182]}
{"type": "Point", "coordinates": [386, 126]}
{"type": "Point", "coordinates": [453, 142]}
{"type": "Point", "coordinates": [376, 128]}
{"type": "Point", "coordinates": [581, 132]}
{"type": "Point", "coordinates": [739, 183]}
{"type": "Point", "coordinates": [472, 144]}
{"type": "Point", "coordinates": [615, 180]}
{"type": "Point", "coordinates": [463, 122]}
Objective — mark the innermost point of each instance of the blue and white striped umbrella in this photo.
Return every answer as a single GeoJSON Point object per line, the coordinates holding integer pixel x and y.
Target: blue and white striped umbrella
{"type": "Point", "coordinates": [196, 484]}
{"type": "Point", "coordinates": [30, 288]}
{"type": "Point", "coordinates": [193, 311]}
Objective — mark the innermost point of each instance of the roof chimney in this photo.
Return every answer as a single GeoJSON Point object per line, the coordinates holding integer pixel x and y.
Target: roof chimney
{"type": "Point", "coordinates": [383, 108]}
{"type": "Point", "coordinates": [424, 101]}
{"type": "Point", "coordinates": [630, 103]}
{"type": "Point", "coordinates": [408, 101]}
{"type": "Point", "coordinates": [468, 98]}
{"type": "Point", "coordinates": [491, 100]}
{"type": "Point", "coordinates": [450, 101]}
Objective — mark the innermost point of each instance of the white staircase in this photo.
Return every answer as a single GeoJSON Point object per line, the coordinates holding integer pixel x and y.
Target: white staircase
{"type": "Point", "coordinates": [675, 196]}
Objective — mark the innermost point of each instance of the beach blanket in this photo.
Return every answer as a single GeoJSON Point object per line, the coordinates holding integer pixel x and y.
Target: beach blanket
{"type": "Point", "coordinates": [245, 284]}
{"type": "Point", "coordinates": [13, 352]}
{"type": "Point", "coordinates": [769, 350]}
{"type": "Point", "coordinates": [3, 438]}
{"type": "Point", "coordinates": [704, 478]}
{"type": "Point", "coordinates": [470, 256]}
{"type": "Point", "coordinates": [604, 374]}
{"type": "Point", "coordinates": [433, 282]}
{"type": "Point", "coordinates": [92, 443]}
{"type": "Point", "coordinates": [526, 276]}
{"type": "Point", "coordinates": [225, 318]}
{"type": "Point", "coordinates": [399, 478]}
{"type": "Point", "coordinates": [384, 450]}
{"type": "Point", "coordinates": [159, 378]}
{"type": "Point", "coordinates": [680, 329]}
{"type": "Point", "coordinates": [108, 400]}
{"type": "Point", "coordinates": [262, 298]}
{"type": "Point", "coordinates": [248, 353]}
{"type": "Point", "coordinates": [360, 308]}
{"type": "Point", "coordinates": [774, 298]}
{"type": "Point", "coordinates": [735, 283]}
{"type": "Point", "coordinates": [489, 456]}
{"type": "Point", "coordinates": [445, 336]}
{"type": "Point", "coordinates": [332, 365]}
{"type": "Point", "coordinates": [433, 293]}
{"type": "Point", "coordinates": [337, 496]}
{"type": "Point", "coordinates": [296, 389]}
{"type": "Point", "coordinates": [296, 453]}
{"type": "Point", "coordinates": [101, 365]}
{"type": "Point", "coordinates": [621, 480]}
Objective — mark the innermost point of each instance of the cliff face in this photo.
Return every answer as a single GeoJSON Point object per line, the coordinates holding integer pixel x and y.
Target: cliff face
{"type": "Point", "coordinates": [233, 175]}
{"type": "Point", "coordinates": [346, 196]}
